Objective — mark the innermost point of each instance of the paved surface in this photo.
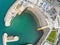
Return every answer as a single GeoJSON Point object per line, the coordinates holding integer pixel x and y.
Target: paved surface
{"type": "Point", "coordinates": [41, 17]}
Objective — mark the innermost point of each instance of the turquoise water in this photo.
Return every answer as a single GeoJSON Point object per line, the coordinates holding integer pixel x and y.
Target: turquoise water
{"type": "Point", "coordinates": [23, 26]}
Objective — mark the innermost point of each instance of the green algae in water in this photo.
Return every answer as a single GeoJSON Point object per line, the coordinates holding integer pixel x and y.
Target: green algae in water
{"type": "Point", "coordinates": [25, 27]}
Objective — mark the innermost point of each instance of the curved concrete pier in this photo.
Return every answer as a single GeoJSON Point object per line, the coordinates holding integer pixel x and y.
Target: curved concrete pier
{"type": "Point", "coordinates": [39, 16]}
{"type": "Point", "coordinates": [16, 8]}
{"type": "Point", "coordinates": [41, 22]}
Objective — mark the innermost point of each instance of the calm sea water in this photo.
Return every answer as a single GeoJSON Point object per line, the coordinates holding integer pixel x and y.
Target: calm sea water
{"type": "Point", "coordinates": [22, 25]}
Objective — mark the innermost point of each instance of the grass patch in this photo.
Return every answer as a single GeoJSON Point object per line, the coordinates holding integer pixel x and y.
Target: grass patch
{"type": "Point", "coordinates": [52, 36]}
{"type": "Point", "coordinates": [58, 0]}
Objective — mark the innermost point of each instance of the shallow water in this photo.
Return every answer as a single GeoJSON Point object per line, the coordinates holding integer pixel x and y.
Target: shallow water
{"type": "Point", "coordinates": [22, 25]}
